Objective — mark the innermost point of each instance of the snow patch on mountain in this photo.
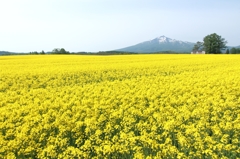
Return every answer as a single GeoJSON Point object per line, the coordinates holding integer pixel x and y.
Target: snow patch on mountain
{"type": "Point", "coordinates": [164, 39]}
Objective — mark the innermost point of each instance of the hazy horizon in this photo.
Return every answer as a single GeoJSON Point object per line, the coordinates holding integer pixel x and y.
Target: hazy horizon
{"type": "Point", "coordinates": [91, 26]}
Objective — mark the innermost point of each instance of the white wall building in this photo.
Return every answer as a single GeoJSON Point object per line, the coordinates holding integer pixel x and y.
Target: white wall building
{"type": "Point", "coordinates": [198, 52]}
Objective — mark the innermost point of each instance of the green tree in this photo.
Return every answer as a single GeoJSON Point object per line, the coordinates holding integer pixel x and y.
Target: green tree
{"type": "Point", "coordinates": [213, 43]}
{"type": "Point", "coordinates": [233, 50]}
{"type": "Point", "coordinates": [42, 52]}
{"type": "Point", "coordinates": [34, 53]}
{"type": "Point", "coordinates": [227, 51]}
{"type": "Point", "coordinates": [63, 51]}
{"type": "Point", "coordinates": [238, 51]}
{"type": "Point", "coordinates": [198, 46]}
{"type": "Point", "coordinates": [60, 51]}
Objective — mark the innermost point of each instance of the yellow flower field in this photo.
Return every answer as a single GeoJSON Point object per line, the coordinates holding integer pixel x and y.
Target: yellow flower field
{"type": "Point", "coordinates": [128, 106]}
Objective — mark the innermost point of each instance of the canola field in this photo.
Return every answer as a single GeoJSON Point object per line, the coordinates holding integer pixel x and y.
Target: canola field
{"type": "Point", "coordinates": [128, 106]}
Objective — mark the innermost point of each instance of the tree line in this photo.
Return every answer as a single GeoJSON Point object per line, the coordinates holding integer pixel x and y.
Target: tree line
{"type": "Point", "coordinates": [214, 44]}
{"type": "Point", "coordinates": [54, 51]}
{"type": "Point", "coordinates": [233, 51]}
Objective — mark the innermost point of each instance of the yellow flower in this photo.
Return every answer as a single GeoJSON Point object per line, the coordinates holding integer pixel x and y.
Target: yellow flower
{"type": "Point", "coordinates": [134, 106]}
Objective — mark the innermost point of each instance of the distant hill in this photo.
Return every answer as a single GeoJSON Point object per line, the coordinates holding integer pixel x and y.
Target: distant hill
{"type": "Point", "coordinates": [160, 44]}
{"type": "Point", "coordinates": [229, 47]}
{"type": "Point", "coordinates": [5, 53]}
{"type": "Point", "coordinates": [233, 46]}
{"type": "Point", "coordinates": [10, 53]}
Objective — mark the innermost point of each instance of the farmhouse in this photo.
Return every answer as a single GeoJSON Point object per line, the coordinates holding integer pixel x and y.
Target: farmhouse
{"type": "Point", "coordinates": [198, 52]}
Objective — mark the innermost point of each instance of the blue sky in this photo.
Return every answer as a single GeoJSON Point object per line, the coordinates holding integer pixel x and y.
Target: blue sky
{"type": "Point", "coordinates": [100, 25]}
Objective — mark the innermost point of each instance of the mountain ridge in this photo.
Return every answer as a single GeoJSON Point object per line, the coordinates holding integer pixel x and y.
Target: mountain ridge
{"type": "Point", "coordinates": [160, 44]}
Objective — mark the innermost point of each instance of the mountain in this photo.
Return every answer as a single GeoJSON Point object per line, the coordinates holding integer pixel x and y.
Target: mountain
{"type": "Point", "coordinates": [160, 44]}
